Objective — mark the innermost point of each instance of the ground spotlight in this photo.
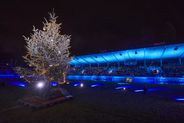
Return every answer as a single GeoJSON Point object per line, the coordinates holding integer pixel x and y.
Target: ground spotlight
{"type": "Point", "coordinates": [95, 85]}
{"type": "Point", "coordinates": [40, 85]}
{"type": "Point", "coordinates": [81, 85]}
{"type": "Point", "coordinates": [54, 84]}
{"type": "Point", "coordinates": [75, 85]}
{"type": "Point", "coordinates": [180, 99]}
{"type": "Point", "coordinates": [138, 90]}
{"type": "Point", "coordinates": [122, 87]}
{"type": "Point", "coordinates": [20, 84]}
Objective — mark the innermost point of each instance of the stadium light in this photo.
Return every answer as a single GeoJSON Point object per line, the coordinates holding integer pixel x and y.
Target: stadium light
{"type": "Point", "coordinates": [110, 71]}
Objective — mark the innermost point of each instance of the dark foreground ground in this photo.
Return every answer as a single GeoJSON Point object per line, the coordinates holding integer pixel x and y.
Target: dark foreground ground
{"type": "Point", "coordinates": [99, 105]}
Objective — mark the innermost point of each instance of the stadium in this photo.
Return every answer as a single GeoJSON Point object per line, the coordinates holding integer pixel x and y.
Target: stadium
{"type": "Point", "coordinates": [158, 65]}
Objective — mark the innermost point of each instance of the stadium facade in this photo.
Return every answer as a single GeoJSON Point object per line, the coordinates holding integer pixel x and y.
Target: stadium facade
{"type": "Point", "coordinates": [158, 64]}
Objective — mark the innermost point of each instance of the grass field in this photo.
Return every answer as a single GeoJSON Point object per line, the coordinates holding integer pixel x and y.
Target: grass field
{"type": "Point", "coordinates": [98, 105]}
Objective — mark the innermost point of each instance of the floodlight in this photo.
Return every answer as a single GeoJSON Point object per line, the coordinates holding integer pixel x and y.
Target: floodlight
{"type": "Point", "coordinates": [81, 85]}
{"type": "Point", "coordinates": [40, 84]}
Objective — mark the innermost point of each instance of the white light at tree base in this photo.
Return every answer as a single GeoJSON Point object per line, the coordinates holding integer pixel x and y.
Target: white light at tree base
{"type": "Point", "coordinates": [40, 85]}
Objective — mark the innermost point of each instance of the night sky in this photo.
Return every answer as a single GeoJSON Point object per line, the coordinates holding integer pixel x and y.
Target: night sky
{"type": "Point", "coordinates": [94, 26]}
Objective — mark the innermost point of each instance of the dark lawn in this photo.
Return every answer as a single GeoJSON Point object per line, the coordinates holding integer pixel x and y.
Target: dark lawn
{"type": "Point", "coordinates": [98, 105]}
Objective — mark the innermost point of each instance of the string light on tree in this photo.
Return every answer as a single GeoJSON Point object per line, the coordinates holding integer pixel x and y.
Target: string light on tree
{"type": "Point", "coordinates": [47, 51]}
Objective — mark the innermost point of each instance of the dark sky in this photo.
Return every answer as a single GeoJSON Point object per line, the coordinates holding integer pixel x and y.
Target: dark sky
{"type": "Point", "coordinates": [96, 26]}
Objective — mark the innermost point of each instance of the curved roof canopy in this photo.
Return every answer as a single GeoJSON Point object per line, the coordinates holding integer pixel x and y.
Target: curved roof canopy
{"type": "Point", "coordinates": [150, 53]}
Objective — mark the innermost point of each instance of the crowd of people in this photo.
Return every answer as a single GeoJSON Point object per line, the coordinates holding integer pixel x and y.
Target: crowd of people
{"type": "Point", "coordinates": [173, 71]}
{"type": "Point", "coordinates": [164, 71]}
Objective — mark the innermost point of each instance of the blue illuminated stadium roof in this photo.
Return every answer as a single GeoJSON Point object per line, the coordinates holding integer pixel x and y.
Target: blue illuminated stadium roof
{"type": "Point", "coordinates": [150, 53]}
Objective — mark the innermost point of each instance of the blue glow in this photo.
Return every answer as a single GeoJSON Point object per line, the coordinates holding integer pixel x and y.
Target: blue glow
{"type": "Point", "coordinates": [75, 85]}
{"type": "Point", "coordinates": [144, 79]}
{"type": "Point", "coordinates": [122, 87]}
{"type": "Point", "coordinates": [167, 51]}
{"type": "Point", "coordinates": [171, 52]}
{"type": "Point", "coordinates": [153, 80]}
{"type": "Point", "coordinates": [142, 90]}
{"type": "Point", "coordinates": [117, 78]}
{"type": "Point", "coordinates": [73, 61]}
{"type": "Point", "coordinates": [9, 76]}
{"type": "Point", "coordinates": [94, 78]}
{"type": "Point", "coordinates": [179, 99]}
{"type": "Point", "coordinates": [20, 84]}
{"type": "Point", "coordinates": [109, 57]}
{"type": "Point", "coordinates": [80, 60]}
{"type": "Point", "coordinates": [139, 90]}
{"type": "Point", "coordinates": [153, 89]}
{"type": "Point", "coordinates": [95, 85]}
{"type": "Point", "coordinates": [122, 83]}
{"type": "Point", "coordinates": [136, 54]}
{"type": "Point", "coordinates": [54, 84]}
{"type": "Point", "coordinates": [119, 55]}
{"type": "Point", "coordinates": [154, 53]}
{"type": "Point", "coordinates": [117, 88]}
{"type": "Point", "coordinates": [89, 59]}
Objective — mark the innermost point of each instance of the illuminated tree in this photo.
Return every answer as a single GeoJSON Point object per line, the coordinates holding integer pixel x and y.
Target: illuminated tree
{"type": "Point", "coordinates": [47, 52]}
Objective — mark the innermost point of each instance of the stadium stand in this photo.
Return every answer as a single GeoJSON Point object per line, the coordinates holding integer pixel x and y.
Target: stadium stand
{"type": "Point", "coordinates": [158, 61]}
